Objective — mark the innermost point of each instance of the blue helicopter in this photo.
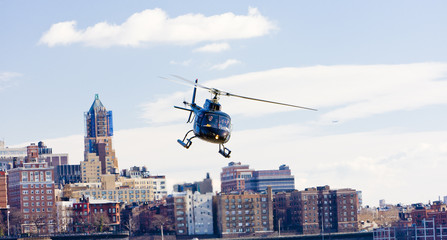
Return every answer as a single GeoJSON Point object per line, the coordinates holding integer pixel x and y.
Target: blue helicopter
{"type": "Point", "coordinates": [210, 123]}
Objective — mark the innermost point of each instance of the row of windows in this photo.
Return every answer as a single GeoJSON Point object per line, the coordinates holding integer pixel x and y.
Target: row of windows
{"type": "Point", "coordinates": [239, 200]}
{"type": "Point", "coordinates": [245, 206]}
{"type": "Point", "coordinates": [110, 210]}
{"type": "Point", "coordinates": [27, 210]}
{"type": "Point", "coordinates": [25, 192]}
{"type": "Point", "coordinates": [38, 204]}
{"type": "Point", "coordinates": [246, 212]}
{"type": "Point", "coordinates": [247, 218]}
{"type": "Point", "coordinates": [37, 176]}
{"type": "Point", "coordinates": [27, 198]}
{"type": "Point", "coordinates": [246, 229]}
{"type": "Point", "coordinates": [37, 185]}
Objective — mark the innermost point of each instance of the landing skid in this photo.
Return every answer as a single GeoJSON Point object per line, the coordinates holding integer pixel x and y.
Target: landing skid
{"type": "Point", "coordinates": [188, 142]}
{"type": "Point", "coordinates": [224, 151]}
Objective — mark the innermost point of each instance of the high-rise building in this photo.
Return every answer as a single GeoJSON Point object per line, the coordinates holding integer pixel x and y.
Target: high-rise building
{"type": "Point", "coordinates": [238, 177]}
{"type": "Point", "coordinates": [233, 177]}
{"type": "Point", "coordinates": [65, 174]}
{"type": "Point", "coordinates": [280, 180]}
{"type": "Point", "coordinates": [99, 156]}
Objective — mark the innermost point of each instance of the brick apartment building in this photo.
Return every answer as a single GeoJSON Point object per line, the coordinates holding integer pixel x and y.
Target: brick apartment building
{"type": "Point", "coordinates": [88, 213]}
{"type": "Point", "coordinates": [315, 210]}
{"type": "Point", "coordinates": [244, 213]}
{"type": "Point", "coordinates": [3, 190]}
{"type": "Point", "coordinates": [31, 191]}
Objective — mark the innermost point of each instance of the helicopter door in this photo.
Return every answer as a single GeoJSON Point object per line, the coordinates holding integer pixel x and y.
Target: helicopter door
{"type": "Point", "coordinates": [197, 122]}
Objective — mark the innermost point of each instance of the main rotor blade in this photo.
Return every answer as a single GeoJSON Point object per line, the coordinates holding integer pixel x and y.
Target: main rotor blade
{"type": "Point", "coordinates": [193, 83]}
{"type": "Point", "coordinates": [266, 101]}
{"type": "Point", "coordinates": [219, 92]}
{"type": "Point", "coordinates": [175, 80]}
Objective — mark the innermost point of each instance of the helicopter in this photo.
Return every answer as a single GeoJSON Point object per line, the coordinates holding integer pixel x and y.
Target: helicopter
{"type": "Point", "coordinates": [210, 123]}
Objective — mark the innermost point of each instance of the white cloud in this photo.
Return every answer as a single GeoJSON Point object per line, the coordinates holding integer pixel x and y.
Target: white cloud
{"type": "Point", "coordinates": [155, 26]}
{"type": "Point", "coordinates": [213, 48]}
{"type": "Point", "coordinates": [225, 65]}
{"type": "Point", "coordinates": [6, 79]}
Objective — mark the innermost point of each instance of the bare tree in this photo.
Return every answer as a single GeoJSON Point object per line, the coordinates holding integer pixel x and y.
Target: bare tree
{"type": "Point", "coordinates": [81, 224]}
{"type": "Point", "coordinates": [15, 221]}
{"type": "Point", "coordinates": [101, 221]}
{"type": "Point", "coordinates": [131, 224]}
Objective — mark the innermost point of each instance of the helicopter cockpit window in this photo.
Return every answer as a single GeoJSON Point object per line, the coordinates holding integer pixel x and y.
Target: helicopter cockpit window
{"type": "Point", "coordinates": [210, 120]}
{"type": "Point", "coordinates": [224, 123]}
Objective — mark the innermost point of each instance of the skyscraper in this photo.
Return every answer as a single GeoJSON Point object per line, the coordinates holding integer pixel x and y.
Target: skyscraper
{"type": "Point", "coordinates": [99, 156]}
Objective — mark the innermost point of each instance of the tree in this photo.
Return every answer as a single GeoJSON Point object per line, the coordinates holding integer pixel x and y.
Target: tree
{"type": "Point", "coordinates": [80, 223]}
{"type": "Point", "coordinates": [100, 221]}
{"type": "Point", "coordinates": [131, 224]}
{"type": "Point", "coordinates": [152, 222]}
{"type": "Point", "coordinates": [15, 221]}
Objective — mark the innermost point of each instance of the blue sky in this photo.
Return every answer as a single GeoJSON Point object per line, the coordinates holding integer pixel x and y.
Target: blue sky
{"type": "Point", "coordinates": [376, 70]}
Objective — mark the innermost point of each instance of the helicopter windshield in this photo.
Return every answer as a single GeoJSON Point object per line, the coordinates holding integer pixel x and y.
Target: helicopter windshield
{"type": "Point", "coordinates": [216, 121]}
{"type": "Point", "coordinates": [224, 123]}
{"type": "Point", "coordinates": [210, 120]}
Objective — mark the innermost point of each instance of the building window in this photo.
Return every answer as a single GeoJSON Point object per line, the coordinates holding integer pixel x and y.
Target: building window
{"type": "Point", "coordinates": [48, 176]}
{"type": "Point", "coordinates": [24, 176]}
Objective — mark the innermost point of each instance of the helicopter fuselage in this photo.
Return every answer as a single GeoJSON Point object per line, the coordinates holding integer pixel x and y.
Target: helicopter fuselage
{"type": "Point", "coordinates": [211, 124]}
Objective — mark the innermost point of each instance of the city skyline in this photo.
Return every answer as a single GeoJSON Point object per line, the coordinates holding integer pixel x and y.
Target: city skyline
{"type": "Point", "coordinates": [375, 71]}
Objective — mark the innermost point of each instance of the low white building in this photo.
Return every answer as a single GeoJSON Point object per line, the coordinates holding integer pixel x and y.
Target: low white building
{"type": "Point", "coordinates": [64, 215]}
{"type": "Point", "coordinates": [195, 211]}
{"type": "Point", "coordinates": [202, 205]}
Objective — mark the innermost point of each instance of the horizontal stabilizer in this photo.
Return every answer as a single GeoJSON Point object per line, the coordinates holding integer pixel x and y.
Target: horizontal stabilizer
{"type": "Point", "coordinates": [186, 109]}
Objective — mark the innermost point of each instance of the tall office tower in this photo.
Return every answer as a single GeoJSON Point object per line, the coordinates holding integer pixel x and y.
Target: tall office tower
{"type": "Point", "coordinates": [99, 156]}
{"type": "Point", "coordinates": [233, 177]}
